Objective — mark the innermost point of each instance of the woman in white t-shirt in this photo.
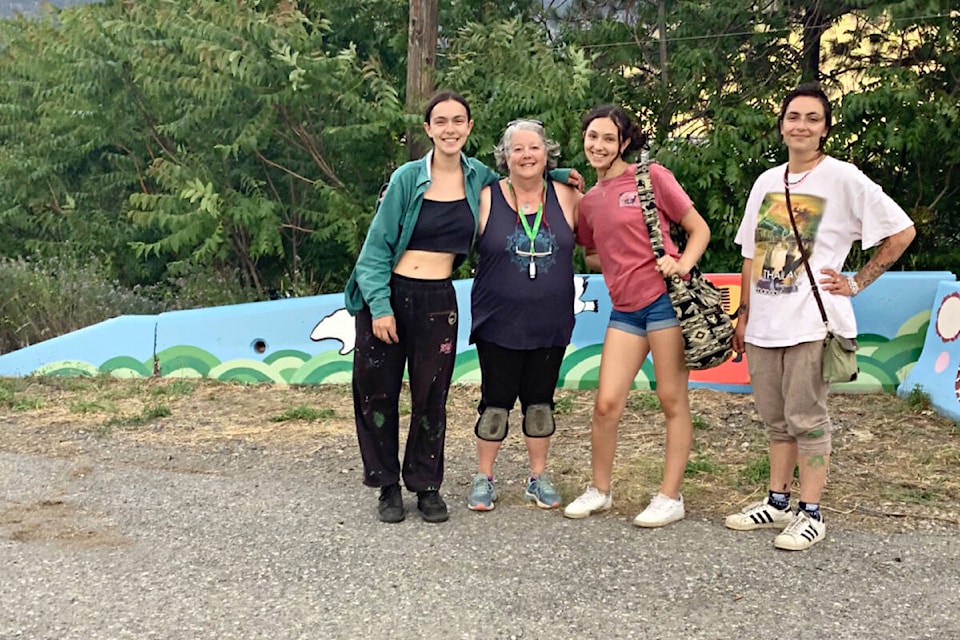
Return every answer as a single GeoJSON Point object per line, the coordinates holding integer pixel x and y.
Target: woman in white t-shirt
{"type": "Point", "coordinates": [780, 326]}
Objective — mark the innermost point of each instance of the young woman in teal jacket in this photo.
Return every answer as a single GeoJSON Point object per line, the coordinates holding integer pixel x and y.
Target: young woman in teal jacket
{"type": "Point", "coordinates": [402, 295]}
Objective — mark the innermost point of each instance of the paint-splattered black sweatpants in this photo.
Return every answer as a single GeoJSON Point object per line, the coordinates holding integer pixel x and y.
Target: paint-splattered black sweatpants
{"type": "Point", "coordinates": [426, 316]}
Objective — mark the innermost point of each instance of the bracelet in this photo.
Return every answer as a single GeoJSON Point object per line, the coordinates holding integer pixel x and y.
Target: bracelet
{"type": "Point", "coordinates": [854, 287]}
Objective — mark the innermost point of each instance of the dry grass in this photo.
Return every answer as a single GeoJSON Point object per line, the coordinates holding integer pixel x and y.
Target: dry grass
{"type": "Point", "coordinates": [895, 463]}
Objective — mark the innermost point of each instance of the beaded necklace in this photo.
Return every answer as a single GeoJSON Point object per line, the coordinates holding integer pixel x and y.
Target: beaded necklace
{"type": "Point", "coordinates": [786, 172]}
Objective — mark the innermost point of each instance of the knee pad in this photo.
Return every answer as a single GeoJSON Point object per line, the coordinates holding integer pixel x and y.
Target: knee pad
{"type": "Point", "coordinates": [492, 424]}
{"type": "Point", "coordinates": [538, 421]}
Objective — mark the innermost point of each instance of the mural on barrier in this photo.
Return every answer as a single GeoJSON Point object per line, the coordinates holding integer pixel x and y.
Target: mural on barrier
{"type": "Point", "coordinates": [311, 340]}
{"type": "Point", "coordinates": [937, 372]}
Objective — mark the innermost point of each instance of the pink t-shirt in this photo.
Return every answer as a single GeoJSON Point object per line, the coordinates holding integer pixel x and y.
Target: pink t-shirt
{"type": "Point", "coordinates": [611, 221]}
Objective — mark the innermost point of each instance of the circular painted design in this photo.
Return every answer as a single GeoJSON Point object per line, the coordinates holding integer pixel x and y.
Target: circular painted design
{"type": "Point", "coordinates": [948, 318]}
{"type": "Point", "coordinates": [943, 360]}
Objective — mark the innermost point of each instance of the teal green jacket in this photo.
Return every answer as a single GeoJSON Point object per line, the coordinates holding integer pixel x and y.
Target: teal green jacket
{"type": "Point", "coordinates": [393, 224]}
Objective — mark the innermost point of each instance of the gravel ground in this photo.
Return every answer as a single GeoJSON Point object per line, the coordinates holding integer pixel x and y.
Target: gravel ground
{"type": "Point", "coordinates": [135, 540]}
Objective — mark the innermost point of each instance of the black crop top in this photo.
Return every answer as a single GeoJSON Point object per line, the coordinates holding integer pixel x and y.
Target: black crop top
{"type": "Point", "coordinates": [444, 227]}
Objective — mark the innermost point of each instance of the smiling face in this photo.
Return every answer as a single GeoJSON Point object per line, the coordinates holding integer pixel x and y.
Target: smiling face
{"type": "Point", "coordinates": [804, 125]}
{"type": "Point", "coordinates": [527, 155]}
{"type": "Point", "coordinates": [602, 144]}
{"type": "Point", "coordinates": [448, 127]}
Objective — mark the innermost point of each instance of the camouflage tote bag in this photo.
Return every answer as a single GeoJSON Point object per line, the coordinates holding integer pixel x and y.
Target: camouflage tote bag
{"type": "Point", "coordinates": [706, 327]}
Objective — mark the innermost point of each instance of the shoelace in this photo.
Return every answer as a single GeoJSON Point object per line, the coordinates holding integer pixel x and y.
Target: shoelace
{"type": "Point", "coordinates": [661, 503]}
{"type": "Point", "coordinates": [660, 507]}
{"type": "Point", "coordinates": [484, 484]}
{"type": "Point", "coordinates": [542, 486]}
{"type": "Point", "coordinates": [797, 526]}
{"type": "Point", "coordinates": [589, 496]}
{"type": "Point", "coordinates": [430, 499]}
{"type": "Point", "coordinates": [596, 494]}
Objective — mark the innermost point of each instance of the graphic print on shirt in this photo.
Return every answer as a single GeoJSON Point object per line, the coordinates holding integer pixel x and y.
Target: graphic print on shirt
{"type": "Point", "coordinates": [542, 252]}
{"type": "Point", "coordinates": [628, 199]}
{"type": "Point", "coordinates": [777, 264]}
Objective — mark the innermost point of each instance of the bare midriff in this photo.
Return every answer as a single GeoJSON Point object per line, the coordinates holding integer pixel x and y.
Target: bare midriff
{"type": "Point", "coordinates": [425, 265]}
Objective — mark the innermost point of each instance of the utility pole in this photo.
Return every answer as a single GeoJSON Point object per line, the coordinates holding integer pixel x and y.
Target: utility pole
{"type": "Point", "coordinates": [665, 116]}
{"type": "Point", "coordinates": [421, 65]}
{"type": "Point", "coordinates": [815, 23]}
{"type": "Point", "coordinates": [662, 28]}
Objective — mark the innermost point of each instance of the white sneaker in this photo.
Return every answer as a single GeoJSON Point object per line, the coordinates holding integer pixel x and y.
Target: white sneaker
{"type": "Point", "coordinates": [661, 511]}
{"type": "Point", "coordinates": [802, 533]}
{"type": "Point", "coordinates": [759, 515]}
{"type": "Point", "coordinates": [592, 501]}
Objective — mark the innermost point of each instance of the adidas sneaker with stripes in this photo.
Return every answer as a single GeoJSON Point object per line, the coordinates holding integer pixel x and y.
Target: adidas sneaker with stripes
{"type": "Point", "coordinates": [759, 515]}
{"type": "Point", "coordinates": [802, 533]}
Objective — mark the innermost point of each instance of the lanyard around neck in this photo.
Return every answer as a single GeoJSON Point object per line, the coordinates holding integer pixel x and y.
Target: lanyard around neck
{"type": "Point", "coordinates": [531, 232]}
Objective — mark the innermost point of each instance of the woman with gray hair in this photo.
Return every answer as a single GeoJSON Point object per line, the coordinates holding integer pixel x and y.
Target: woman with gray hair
{"type": "Point", "coordinates": [522, 304]}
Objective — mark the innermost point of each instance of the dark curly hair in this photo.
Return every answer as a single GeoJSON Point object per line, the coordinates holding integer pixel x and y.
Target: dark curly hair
{"type": "Point", "coordinates": [626, 128]}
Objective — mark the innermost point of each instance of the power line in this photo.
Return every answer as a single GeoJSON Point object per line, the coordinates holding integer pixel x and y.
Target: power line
{"type": "Point", "coordinates": [746, 33]}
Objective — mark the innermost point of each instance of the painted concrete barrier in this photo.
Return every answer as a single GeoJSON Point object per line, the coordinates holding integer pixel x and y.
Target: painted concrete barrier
{"type": "Point", "coordinates": [937, 372]}
{"type": "Point", "coordinates": [310, 340]}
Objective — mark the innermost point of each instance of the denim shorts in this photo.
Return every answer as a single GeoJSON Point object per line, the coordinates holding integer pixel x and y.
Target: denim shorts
{"type": "Point", "coordinates": [657, 315]}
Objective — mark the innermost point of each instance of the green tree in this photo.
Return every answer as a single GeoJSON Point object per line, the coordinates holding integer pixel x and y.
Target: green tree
{"type": "Point", "coordinates": [269, 146]}
{"type": "Point", "coordinates": [509, 70]}
{"type": "Point", "coordinates": [710, 103]}
{"type": "Point", "coordinates": [902, 127]}
{"type": "Point", "coordinates": [65, 168]}
{"type": "Point", "coordinates": [251, 137]}
{"type": "Point", "coordinates": [237, 137]}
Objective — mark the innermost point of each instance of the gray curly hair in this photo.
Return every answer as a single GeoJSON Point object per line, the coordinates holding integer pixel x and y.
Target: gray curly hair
{"type": "Point", "coordinates": [502, 150]}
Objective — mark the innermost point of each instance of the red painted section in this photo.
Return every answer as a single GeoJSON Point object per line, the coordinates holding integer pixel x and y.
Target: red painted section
{"type": "Point", "coordinates": [732, 371]}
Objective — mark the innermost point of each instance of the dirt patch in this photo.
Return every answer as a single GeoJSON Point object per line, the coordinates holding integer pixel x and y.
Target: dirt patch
{"type": "Point", "coordinates": [57, 521]}
{"type": "Point", "coordinates": [894, 467]}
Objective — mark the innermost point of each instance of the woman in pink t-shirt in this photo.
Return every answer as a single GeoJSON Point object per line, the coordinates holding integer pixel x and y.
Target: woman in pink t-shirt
{"type": "Point", "coordinates": [615, 238]}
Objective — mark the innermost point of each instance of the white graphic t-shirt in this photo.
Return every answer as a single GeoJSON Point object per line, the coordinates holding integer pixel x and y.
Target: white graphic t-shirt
{"type": "Point", "coordinates": [834, 205]}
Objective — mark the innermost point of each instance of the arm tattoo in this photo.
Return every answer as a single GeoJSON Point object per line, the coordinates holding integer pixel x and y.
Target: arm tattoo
{"type": "Point", "coordinates": [883, 258]}
{"type": "Point", "coordinates": [875, 268]}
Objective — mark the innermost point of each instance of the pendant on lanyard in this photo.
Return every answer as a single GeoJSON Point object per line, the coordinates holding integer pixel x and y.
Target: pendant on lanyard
{"type": "Point", "coordinates": [531, 233]}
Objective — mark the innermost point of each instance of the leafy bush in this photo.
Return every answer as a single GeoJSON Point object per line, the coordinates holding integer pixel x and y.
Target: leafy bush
{"type": "Point", "coordinates": [41, 298]}
{"type": "Point", "coordinates": [44, 298]}
{"type": "Point", "coordinates": [192, 286]}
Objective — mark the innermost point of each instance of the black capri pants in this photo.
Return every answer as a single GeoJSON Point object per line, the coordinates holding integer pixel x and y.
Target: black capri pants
{"type": "Point", "coordinates": [507, 374]}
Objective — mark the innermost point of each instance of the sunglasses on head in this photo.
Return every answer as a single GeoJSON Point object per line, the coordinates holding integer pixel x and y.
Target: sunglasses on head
{"type": "Point", "coordinates": [519, 120]}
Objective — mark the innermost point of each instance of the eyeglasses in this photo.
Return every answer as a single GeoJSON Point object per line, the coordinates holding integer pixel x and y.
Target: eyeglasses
{"type": "Point", "coordinates": [519, 120]}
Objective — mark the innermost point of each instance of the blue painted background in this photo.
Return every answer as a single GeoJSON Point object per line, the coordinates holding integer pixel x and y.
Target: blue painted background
{"type": "Point", "coordinates": [310, 340]}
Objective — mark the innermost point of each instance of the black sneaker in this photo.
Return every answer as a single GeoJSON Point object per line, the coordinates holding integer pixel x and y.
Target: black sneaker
{"type": "Point", "coordinates": [391, 504]}
{"type": "Point", "coordinates": [431, 506]}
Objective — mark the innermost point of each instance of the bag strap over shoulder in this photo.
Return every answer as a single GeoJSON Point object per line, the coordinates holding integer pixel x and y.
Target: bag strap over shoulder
{"type": "Point", "coordinates": [648, 205]}
{"type": "Point", "coordinates": [804, 257]}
